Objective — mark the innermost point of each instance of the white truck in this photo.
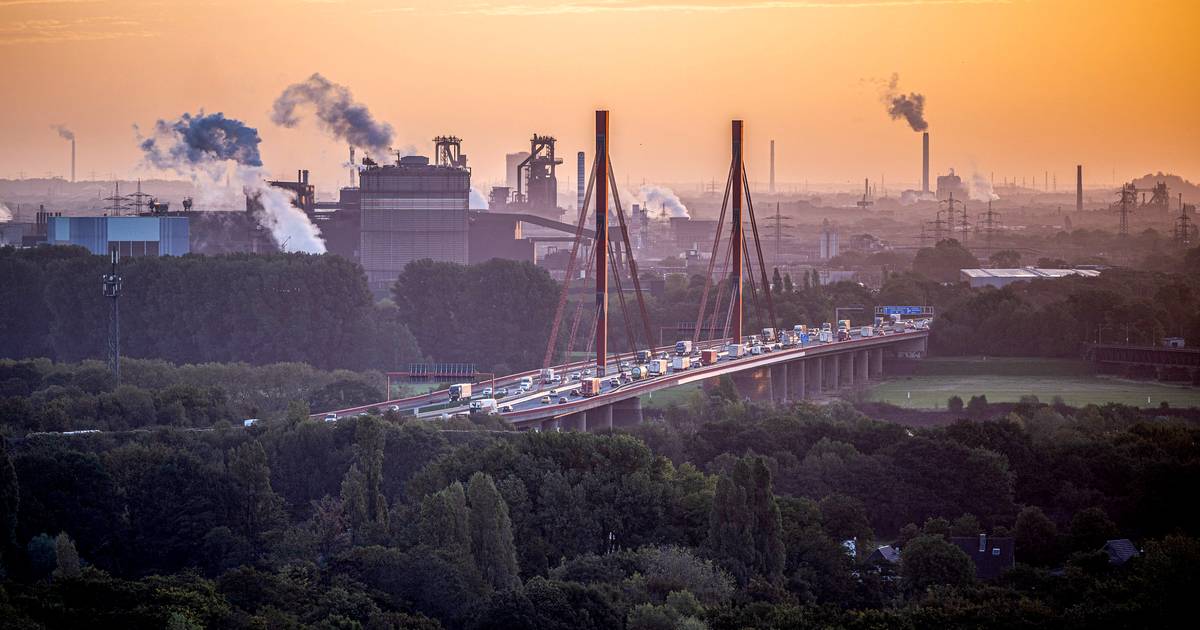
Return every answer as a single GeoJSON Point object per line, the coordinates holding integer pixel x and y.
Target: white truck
{"type": "Point", "coordinates": [683, 347]}
{"type": "Point", "coordinates": [658, 367]}
{"type": "Point", "coordinates": [459, 391]}
{"type": "Point", "coordinates": [546, 375]}
{"type": "Point", "coordinates": [736, 350]}
{"type": "Point", "coordinates": [826, 335]}
{"type": "Point", "coordinates": [483, 405]}
{"type": "Point", "coordinates": [678, 364]}
{"type": "Point", "coordinates": [866, 331]}
{"type": "Point", "coordinates": [768, 334]}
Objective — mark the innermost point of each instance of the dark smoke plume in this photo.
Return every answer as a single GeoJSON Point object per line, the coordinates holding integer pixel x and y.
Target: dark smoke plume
{"type": "Point", "coordinates": [339, 114]}
{"type": "Point", "coordinates": [63, 132]}
{"type": "Point", "coordinates": [206, 145]}
{"type": "Point", "coordinates": [200, 140]}
{"type": "Point", "coordinates": [910, 106]}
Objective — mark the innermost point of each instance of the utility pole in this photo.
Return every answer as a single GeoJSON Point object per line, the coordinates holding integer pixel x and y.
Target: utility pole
{"type": "Point", "coordinates": [112, 290]}
{"type": "Point", "coordinates": [989, 222]}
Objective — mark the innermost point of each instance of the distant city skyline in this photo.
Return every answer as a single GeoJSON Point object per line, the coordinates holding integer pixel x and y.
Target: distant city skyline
{"type": "Point", "coordinates": [1011, 88]}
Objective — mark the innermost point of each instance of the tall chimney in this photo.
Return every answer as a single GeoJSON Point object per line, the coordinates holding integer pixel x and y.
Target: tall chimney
{"type": "Point", "coordinates": [925, 162]}
{"type": "Point", "coordinates": [772, 189]}
{"type": "Point", "coordinates": [1079, 187]}
{"type": "Point", "coordinates": [353, 170]}
{"type": "Point", "coordinates": [72, 160]}
{"type": "Point", "coordinates": [579, 183]}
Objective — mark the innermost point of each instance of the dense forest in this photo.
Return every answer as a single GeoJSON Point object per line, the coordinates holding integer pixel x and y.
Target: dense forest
{"type": "Point", "coordinates": [726, 514]}
{"type": "Point", "coordinates": [316, 309]}
{"type": "Point", "coordinates": [40, 395]}
{"type": "Point", "coordinates": [197, 309]}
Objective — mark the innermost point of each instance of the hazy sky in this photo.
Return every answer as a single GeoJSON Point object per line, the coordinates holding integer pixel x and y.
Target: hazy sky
{"type": "Point", "coordinates": [1015, 88]}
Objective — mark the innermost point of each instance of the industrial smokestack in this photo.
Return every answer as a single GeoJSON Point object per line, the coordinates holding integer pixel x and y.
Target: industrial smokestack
{"type": "Point", "coordinates": [579, 183]}
{"type": "Point", "coordinates": [772, 190]}
{"type": "Point", "coordinates": [925, 162]}
{"type": "Point", "coordinates": [1079, 187]}
{"type": "Point", "coordinates": [72, 160]}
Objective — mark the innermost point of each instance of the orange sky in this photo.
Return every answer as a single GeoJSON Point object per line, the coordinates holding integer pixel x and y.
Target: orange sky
{"type": "Point", "coordinates": [1015, 88]}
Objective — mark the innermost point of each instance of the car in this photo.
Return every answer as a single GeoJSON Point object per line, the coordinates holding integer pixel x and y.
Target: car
{"type": "Point", "coordinates": [394, 408]}
{"type": "Point", "coordinates": [614, 382]}
{"type": "Point", "coordinates": [587, 372]}
{"type": "Point", "coordinates": [363, 413]}
{"type": "Point", "coordinates": [502, 392]}
{"type": "Point", "coordinates": [574, 376]}
{"type": "Point", "coordinates": [624, 365]}
{"type": "Point", "coordinates": [562, 399]}
{"type": "Point", "coordinates": [520, 391]}
{"type": "Point", "coordinates": [545, 400]}
{"type": "Point", "coordinates": [505, 408]}
{"type": "Point", "coordinates": [556, 379]}
{"type": "Point", "coordinates": [331, 417]}
{"type": "Point", "coordinates": [487, 392]}
{"type": "Point", "coordinates": [249, 422]}
{"type": "Point", "coordinates": [574, 393]}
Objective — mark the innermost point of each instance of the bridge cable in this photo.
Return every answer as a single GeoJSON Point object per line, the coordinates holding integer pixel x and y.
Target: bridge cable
{"type": "Point", "coordinates": [713, 259]}
{"type": "Point", "coordinates": [562, 298]}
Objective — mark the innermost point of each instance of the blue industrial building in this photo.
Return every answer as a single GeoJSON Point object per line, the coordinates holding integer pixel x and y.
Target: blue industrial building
{"type": "Point", "coordinates": [130, 236]}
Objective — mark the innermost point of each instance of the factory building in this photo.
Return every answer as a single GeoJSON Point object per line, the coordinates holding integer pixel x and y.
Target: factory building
{"type": "Point", "coordinates": [999, 278]}
{"type": "Point", "coordinates": [533, 185]}
{"type": "Point", "coordinates": [688, 233]}
{"type": "Point", "coordinates": [951, 185]}
{"type": "Point", "coordinates": [130, 236]}
{"type": "Point", "coordinates": [412, 210]}
{"type": "Point", "coordinates": [829, 247]}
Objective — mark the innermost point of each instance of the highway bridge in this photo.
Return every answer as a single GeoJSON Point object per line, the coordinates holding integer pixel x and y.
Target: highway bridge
{"type": "Point", "coordinates": [782, 375]}
{"type": "Point", "coordinates": [789, 368]}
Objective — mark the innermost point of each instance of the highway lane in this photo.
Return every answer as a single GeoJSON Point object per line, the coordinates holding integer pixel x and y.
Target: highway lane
{"type": "Point", "coordinates": [724, 366]}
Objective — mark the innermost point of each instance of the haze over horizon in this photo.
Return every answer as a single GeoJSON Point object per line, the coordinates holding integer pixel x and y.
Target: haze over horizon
{"type": "Point", "coordinates": [1011, 88]}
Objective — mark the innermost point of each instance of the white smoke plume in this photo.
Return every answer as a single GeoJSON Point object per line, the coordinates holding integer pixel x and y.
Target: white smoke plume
{"type": "Point", "coordinates": [205, 147]}
{"type": "Point", "coordinates": [660, 198]}
{"type": "Point", "coordinates": [981, 188]}
{"type": "Point", "coordinates": [6, 215]}
{"type": "Point", "coordinates": [63, 132]}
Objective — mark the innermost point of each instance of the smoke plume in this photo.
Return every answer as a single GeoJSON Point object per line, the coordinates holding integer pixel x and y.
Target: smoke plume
{"type": "Point", "coordinates": [654, 197]}
{"type": "Point", "coordinates": [6, 215]}
{"type": "Point", "coordinates": [477, 200]}
{"type": "Point", "coordinates": [205, 148]}
{"type": "Point", "coordinates": [910, 107]}
{"type": "Point", "coordinates": [981, 189]}
{"type": "Point", "coordinates": [339, 114]}
{"type": "Point", "coordinates": [63, 132]}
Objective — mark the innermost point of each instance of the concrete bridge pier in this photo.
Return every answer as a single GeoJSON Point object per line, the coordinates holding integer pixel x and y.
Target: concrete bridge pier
{"type": "Point", "coordinates": [876, 362]}
{"type": "Point", "coordinates": [848, 368]}
{"type": "Point", "coordinates": [754, 384]}
{"type": "Point", "coordinates": [862, 364]}
{"type": "Point", "coordinates": [833, 365]}
{"type": "Point", "coordinates": [817, 367]}
{"type": "Point", "coordinates": [795, 376]}
{"type": "Point", "coordinates": [550, 425]}
{"type": "Point", "coordinates": [779, 383]}
{"type": "Point", "coordinates": [574, 422]}
{"type": "Point", "coordinates": [598, 419]}
{"type": "Point", "coordinates": [626, 413]}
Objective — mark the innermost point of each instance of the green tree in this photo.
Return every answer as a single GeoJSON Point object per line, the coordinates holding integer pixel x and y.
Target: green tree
{"type": "Point", "coordinates": [66, 558]}
{"type": "Point", "coordinates": [776, 282]}
{"type": "Point", "coordinates": [10, 501]}
{"type": "Point", "coordinates": [965, 525]}
{"type": "Point", "coordinates": [42, 554]}
{"type": "Point", "coordinates": [1090, 528]}
{"type": "Point", "coordinates": [931, 560]}
{"type": "Point", "coordinates": [788, 286]}
{"type": "Point", "coordinates": [259, 508]}
{"type": "Point", "coordinates": [1036, 537]}
{"type": "Point", "coordinates": [943, 261]}
{"type": "Point", "coordinates": [1005, 259]}
{"type": "Point", "coordinates": [744, 525]}
{"type": "Point", "coordinates": [491, 533]}
{"type": "Point", "coordinates": [954, 404]}
{"type": "Point", "coordinates": [445, 522]}
{"type": "Point", "coordinates": [362, 487]}
{"type": "Point", "coordinates": [977, 406]}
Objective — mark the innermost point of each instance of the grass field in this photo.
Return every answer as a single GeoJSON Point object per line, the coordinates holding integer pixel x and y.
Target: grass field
{"type": "Point", "coordinates": [666, 397]}
{"type": "Point", "coordinates": [1007, 380]}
